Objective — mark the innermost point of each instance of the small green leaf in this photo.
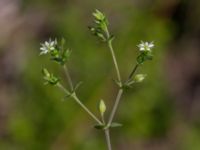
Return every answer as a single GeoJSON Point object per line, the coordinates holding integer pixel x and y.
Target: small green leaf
{"type": "Point", "coordinates": [115, 125]}
{"type": "Point", "coordinates": [99, 127]}
{"type": "Point", "coordinates": [77, 85]}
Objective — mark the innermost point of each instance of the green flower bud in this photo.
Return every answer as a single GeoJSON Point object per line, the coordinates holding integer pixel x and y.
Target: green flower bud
{"type": "Point", "coordinates": [102, 107]}
{"type": "Point", "coordinates": [139, 77]}
{"type": "Point", "coordinates": [49, 78]}
{"type": "Point", "coordinates": [98, 15]}
{"type": "Point", "coordinates": [45, 72]}
{"type": "Point", "coordinates": [100, 26]}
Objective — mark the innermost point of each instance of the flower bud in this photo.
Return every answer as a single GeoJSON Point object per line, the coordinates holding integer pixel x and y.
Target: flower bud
{"type": "Point", "coordinates": [49, 78]}
{"type": "Point", "coordinates": [139, 77]}
{"type": "Point", "coordinates": [98, 15]}
{"type": "Point", "coordinates": [45, 72]}
{"type": "Point", "coordinates": [102, 107]}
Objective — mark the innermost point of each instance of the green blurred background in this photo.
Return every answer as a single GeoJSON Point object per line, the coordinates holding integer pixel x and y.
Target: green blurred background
{"type": "Point", "coordinates": [162, 113]}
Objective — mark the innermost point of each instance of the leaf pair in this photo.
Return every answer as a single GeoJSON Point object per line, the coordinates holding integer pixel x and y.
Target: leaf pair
{"type": "Point", "coordinates": [103, 127]}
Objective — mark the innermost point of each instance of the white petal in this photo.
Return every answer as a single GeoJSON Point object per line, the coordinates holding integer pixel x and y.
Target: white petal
{"type": "Point", "coordinates": [42, 48]}
{"type": "Point", "coordinates": [142, 49]}
{"type": "Point", "coordinates": [142, 45]}
{"type": "Point", "coordinates": [46, 43]}
{"type": "Point", "coordinates": [52, 43]}
{"type": "Point", "coordinates": [151, 44]}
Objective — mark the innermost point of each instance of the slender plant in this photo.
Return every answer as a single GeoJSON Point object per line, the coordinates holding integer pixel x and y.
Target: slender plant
{"type": "Point", "coordinates": [59, 54]}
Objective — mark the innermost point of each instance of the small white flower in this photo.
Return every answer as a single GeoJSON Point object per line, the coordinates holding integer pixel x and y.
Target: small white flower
{"type": "Point", "coordinates": [145, 46]}
{"type": "Point", "coordinates": [46, 47]}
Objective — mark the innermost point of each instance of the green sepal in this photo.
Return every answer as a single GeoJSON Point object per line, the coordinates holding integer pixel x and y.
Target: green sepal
{"type": "Point", "coordinates": [60, 54]}
{"type": "Point", "coordinates": [78, 85]}
{"type": "Point", "coordinates": [97, 31]}
{"type": "Point", "coordinates": [49, 77]}
{"type": "Point", "coordinates": [144, 56]}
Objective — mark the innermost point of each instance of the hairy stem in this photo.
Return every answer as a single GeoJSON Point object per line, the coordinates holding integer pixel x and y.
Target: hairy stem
{"type": "Point", "coordinates": [73, 95]}
{"type": "Point", "coordinates": [107, 134]}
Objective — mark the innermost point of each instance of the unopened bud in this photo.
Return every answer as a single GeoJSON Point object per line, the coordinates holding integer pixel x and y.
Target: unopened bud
{"type": "Point", "coordinates": [102, 107]}
{"type": "Point", "coordinates": [140, 77]}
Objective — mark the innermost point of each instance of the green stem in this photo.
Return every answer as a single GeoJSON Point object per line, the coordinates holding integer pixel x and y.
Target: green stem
{"type": "Point", "coordinates": [73, 95]}
{"type": "Point", "coordinates": [120, 92]}
{"type": "Point", "coordinates": [133, 71]}
{"type": "Point", "coordinates": [68, 77]}
{"type": "Point", "coordinates": [107, 134]}
{"type": "Point", "coordinates": [119, 95]}
{"type": "Point", "coordinates": [113, 55]}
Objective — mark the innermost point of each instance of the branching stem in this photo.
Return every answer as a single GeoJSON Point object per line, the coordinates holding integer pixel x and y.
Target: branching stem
{"type": "Point", "coordinates": [73, 95]}
{"type": "Point", "coordinates": [120, 92]}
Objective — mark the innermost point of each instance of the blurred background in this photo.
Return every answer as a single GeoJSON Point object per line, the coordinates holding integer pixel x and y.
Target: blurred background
{"type": "Point", "coordinates": [162, 113]}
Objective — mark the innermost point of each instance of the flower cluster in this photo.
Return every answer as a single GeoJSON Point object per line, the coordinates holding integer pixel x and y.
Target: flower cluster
{"type": "Point", "coordinates": [57, 51]}
{"type": "Point", "coordinates": [100, 28]}
{"type": "Point", "coordinates": [58, 54]}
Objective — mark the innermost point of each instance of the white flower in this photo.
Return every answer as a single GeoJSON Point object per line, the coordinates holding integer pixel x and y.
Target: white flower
{"type": "Point", "coordinates": [145, 46]}
{"type": "Point", "coordinates": [46, 47]}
